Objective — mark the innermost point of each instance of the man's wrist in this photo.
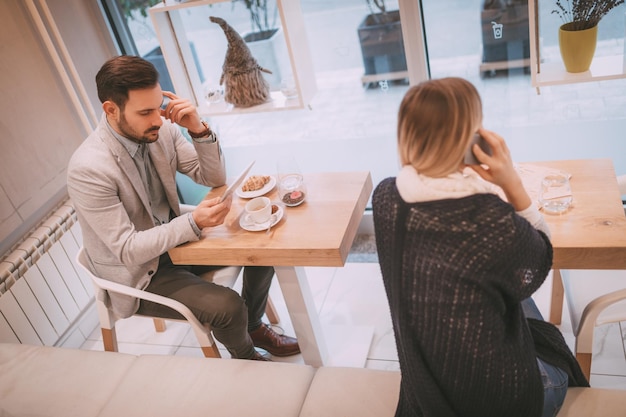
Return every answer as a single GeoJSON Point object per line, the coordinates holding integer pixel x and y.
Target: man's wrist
{"type": "Point", "coordinates": [206, 133]}
{"type": "Point", "coordinates": [193, 224]}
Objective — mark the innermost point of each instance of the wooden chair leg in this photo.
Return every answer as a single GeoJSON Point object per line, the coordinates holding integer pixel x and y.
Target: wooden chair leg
{"type": "Point", "coordinates": [211, 351]}
{"type": "Point", "coordinates": [270, 311]}
{"type": "Point", "coordinates": [556, 302]}
{"type": "Point", "coordinates": [109, 339]}
{"type": "Point", "coordinates": [584, 360]}
{"type": "Point", "coordinates": [159, 325]}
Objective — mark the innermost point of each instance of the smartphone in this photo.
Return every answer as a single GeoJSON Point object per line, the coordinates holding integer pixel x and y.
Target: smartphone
{"type": "Point", "coordinates": [233, 186]}
{"type": "Point", "coordinates": [166, 101]}
{"type": "Point", "coordinates": [470, 158]}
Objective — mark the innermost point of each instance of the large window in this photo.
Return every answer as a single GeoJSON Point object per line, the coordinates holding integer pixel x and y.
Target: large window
{"type": "Point", "coordinates": [582, 120]}
{"type": "Point", "coordinates": [351, 122]}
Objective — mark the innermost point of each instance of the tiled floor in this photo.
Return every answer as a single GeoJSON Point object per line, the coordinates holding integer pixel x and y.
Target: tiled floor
{"type": "Point", "coordinates": [354, 295]}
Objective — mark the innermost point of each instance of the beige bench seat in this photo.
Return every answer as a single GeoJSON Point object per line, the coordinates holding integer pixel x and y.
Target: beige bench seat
{"type": "Point", "coordinates": [47, 381]}
{"type": "Point", "coordinates": [54, 382]}
{"type": "Point", "coordinates": [166, 386]}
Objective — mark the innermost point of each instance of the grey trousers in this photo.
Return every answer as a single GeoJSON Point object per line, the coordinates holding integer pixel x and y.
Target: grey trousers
{"type": "Point", "coordinates": [230, 316]}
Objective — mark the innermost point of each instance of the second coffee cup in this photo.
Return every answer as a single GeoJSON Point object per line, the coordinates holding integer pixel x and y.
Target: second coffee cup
{"type": "Point", "coordinates": [259, 210]}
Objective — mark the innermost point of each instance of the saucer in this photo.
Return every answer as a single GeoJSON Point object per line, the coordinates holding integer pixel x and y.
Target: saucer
{"type": "Point", "coordinates": [257, 193]}
{"type": "Point", "coordinates": [247, 224]}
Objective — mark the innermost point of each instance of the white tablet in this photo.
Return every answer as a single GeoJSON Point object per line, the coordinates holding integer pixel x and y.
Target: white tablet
{"type": "Point", "coordinates": [233, 186]}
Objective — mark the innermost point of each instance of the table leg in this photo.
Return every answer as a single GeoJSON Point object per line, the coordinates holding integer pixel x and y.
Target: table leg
{"type": "Point", "coordinates": [556, 302]}
{"type": "Point", "coordinates": [303, 314]}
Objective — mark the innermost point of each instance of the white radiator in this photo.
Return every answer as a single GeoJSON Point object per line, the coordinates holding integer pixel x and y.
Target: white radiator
{"type": "Point", "coordinates": [44, 296]}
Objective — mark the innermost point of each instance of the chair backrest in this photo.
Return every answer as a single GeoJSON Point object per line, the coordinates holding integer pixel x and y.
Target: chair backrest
{"type": "Point", "coordinates": [104, 286]}
{"type": "Point", "coordinates": [595, 296]}
{"type": "Point", "coordinates": [190, 192]}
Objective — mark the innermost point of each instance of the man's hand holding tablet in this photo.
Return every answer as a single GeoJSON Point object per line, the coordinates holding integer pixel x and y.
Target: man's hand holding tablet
{"type": "Point", "coordinates": [233, 186]}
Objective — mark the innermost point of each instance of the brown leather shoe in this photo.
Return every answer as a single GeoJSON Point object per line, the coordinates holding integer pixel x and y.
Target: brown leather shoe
{"type": "Point", "coordinates": [258, 357]}
{"type": "Point", "coordinates": [278, 345]}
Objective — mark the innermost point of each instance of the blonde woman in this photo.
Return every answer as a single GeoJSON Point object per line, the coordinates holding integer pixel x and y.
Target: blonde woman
{"type": "Point", "coordinates": [460, 265]}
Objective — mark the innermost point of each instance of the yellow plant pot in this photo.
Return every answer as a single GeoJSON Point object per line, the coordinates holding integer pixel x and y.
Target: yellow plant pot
{"type": "Point", "coordinates": [577, 47]}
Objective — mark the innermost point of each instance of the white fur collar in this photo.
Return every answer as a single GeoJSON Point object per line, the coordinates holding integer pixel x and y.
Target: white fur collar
{"type": "Point", "coordinates": [415, 187]}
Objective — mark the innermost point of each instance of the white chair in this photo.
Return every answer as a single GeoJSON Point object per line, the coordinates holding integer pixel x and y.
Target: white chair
{"type": "Point", "coordinates": [203, 333]}
{"type": "Point", "coordinates": [594, 298]}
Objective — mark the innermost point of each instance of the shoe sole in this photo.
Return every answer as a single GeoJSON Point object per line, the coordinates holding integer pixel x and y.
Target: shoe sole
{"type": "Point", "coordinates": [280, 355]}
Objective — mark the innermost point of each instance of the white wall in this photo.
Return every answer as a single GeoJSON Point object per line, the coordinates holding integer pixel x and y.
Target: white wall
{"type": "Point", "coordinates": [39, 124]}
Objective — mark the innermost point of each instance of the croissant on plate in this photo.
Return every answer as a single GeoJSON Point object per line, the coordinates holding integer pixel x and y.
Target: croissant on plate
{"type": "Point", "coordinates": [255, 182]}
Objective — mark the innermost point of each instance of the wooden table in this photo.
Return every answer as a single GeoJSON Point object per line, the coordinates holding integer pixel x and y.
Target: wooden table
{"type": "Point", "coordinates": [592, 234]}
{"type": "Point", "coordinates": [319, 232]}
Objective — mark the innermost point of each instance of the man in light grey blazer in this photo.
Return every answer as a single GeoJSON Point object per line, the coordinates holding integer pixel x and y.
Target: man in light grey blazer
{"type": "Point", "coordinates": [122, 183]}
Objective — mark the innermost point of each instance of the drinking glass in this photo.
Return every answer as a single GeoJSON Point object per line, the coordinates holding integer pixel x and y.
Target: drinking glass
{"type": "Point", "coordinates": [291, 185]}
{"type": "Point", "coordinates": [556, 194]}
{"type": "Point", "coordinates": [288, 87]}
{"type": "Point", "coordinates": [213, 93]}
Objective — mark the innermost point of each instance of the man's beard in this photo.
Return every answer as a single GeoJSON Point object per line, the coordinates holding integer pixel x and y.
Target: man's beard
{"type": "Point", "coordinates": [131, 134]}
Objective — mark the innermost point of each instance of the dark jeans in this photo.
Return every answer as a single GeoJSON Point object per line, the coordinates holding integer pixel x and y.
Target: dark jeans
{"type": "Point", "coordinates": [229, 315]}
{"type": "Point", "coordinates": [554, 379]}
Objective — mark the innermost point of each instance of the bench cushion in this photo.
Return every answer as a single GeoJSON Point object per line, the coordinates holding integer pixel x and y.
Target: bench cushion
{"type": "Point", "coordinates": [48, 381]}
{"type": "Point", "coordinates": [182, 386]}
{"type": "Point", "coordinates": [51, 382]}
{"type": "Point", "coordinates": [359, 392]}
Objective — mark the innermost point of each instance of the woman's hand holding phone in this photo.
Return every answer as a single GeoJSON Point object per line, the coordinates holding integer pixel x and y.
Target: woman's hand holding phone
{"type": "Point", "coordinates": [498, 168]}
{"type": "Point", "coordinates": [470, 158]}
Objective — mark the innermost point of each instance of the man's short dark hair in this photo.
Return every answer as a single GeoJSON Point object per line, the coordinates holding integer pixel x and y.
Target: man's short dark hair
{"type": "Point", "coordinates": [123, 73]}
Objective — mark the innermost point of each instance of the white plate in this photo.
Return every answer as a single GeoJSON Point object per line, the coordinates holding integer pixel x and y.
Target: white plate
{"type": "Point", "coordinates": [257, 193]}
{"type": "Point", "coordinates": [250, 226]}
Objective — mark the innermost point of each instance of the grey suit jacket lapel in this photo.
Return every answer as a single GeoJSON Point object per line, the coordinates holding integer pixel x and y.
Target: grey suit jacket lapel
{"type": "Point", "coordinates": [125, 163]}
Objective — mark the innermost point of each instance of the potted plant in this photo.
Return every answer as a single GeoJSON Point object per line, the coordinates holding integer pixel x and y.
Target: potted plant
{"type": "Point", "coordinates": [266, 39]}
{"type": "Point", "coordinates": [578, 34]}
{"type": "Point", "coordinates": [129, 6]}
{"type": "Point", "coordinates": [382, 45]}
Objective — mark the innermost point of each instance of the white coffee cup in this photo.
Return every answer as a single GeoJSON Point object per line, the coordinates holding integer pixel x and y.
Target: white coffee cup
{"type": "Point", "coordinates": [259, 210]}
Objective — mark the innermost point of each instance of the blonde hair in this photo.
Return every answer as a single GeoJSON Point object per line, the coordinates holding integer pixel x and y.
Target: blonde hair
{"type": "Point", "coordinates": [436, 121]}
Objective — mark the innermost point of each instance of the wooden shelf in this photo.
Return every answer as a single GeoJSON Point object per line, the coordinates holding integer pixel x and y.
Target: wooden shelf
{"type": "Point", "coordinates": [277, 102]}
{"type": "Point", "coordinates": [185, 74]}
{"type": "Point", "coordinates": [553, 72]}
{"type": "Point", "coordinates": [602, 68]}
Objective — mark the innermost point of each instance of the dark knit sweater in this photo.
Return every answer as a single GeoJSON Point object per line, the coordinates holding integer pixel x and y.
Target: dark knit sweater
{"type": "Point", "coordinates": [455, 272]}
